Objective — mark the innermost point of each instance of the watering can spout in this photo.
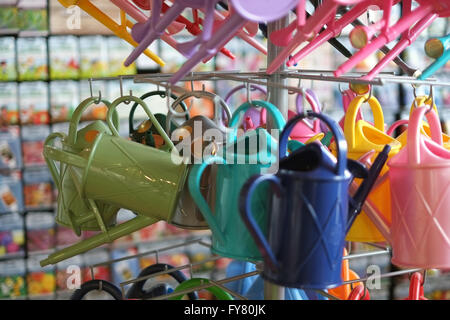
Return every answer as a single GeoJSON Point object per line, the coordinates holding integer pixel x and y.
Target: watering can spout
{"type": "Point", "coordinates": [364, 189]}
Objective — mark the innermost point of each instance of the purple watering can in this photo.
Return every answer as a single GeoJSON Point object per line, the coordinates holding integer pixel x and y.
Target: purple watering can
{"type": "Point", "coordinates": [253, 118]}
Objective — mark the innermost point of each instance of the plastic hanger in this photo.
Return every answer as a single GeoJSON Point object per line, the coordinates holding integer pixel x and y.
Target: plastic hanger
{"type": "Point", "coordinates": [243, 10]}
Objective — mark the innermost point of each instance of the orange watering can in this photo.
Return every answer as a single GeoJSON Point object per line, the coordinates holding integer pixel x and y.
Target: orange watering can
{"type": "Point", "coordinates": [343, 292]}
{"type": "Point", "coordinates": [363, 137]}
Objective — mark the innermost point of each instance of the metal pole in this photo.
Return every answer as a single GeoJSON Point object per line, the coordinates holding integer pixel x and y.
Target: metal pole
{"type": "Point", "coordinates": [279, 98]}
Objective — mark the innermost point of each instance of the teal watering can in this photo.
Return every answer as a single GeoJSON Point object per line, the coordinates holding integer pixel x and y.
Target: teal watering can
{"type": "Point", "coordinates": [252, 153]}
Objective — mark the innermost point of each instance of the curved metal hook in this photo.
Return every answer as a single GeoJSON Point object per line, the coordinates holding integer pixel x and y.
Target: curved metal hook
{"type": "Point", "coordinates": [370, 94]}
{"type": "Point", "coordinates": [430, 97]}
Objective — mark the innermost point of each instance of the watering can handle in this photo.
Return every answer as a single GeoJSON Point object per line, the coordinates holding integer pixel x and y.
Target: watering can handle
{"type": "Point", "coordinates": [76, 117]}
{"type": "Point", "coordinates": [155, 122]}
{"type": "Point", "coordinates": [218, 292]}
{"type": "Point", "coordinates": [50, 163]}
{"type": "Point", "coordinates": [352, 111]}
{"type": "Point", "coordinates": [65, 157]}
{"type": "Point", "coordinates": [162, 94]}
{"type": "Point", "coordinates": [199, 94]}
{"type": "Point", "coordinates": [194, 188]}
{"type": "Point", "coordinates": [395, 125]}
{"type": "Point", "coordinates": [341, 144]}
{"type": "Point", "coordinates": [311, 98]}
{"type": "Point", "coordinates": [245, 209]}
{"type": "Point", "coordinates": [276, 115]}
{"type": "Point", "coordinates": [414, 135]}
{"type": "Point", "coordinates": [242, 86]}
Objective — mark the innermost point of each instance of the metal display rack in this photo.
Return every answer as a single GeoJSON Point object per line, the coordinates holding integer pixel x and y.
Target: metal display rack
{"type": "Point", "coordinates": [278, 90]}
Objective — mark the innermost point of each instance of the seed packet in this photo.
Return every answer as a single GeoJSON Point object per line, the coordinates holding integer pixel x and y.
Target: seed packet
{"type": "Point", "coordinates": [10, 153]}
{"type": "Point", "coordinates": [64, 57]}
{"type": "Point", "coordinates": [93, 57]}
{"type": "Point", "coordinates": [12, 279]}
{"type": "Point", "coordinates": [33, 138]}
{"type": "Point", "coordinates": [9, 18]}
{"type": "Point", "coordinates": [9, 106]}
{"type": "Point", "coordinates": [94, 111]}
{"type": "Point", "coordinates": [11, 197]}
{"type": "Point", "coordinates": [32, 58]}
{"type": "Point", "coordinates": [100, 272]}
{"type": "Point", "coordinates": [149, 233]}
{"type": "Point", "coordinates": [37, 189]}
{"type": "Point", "coordinates": [33, 103]}
{"type": "Point", "coordinates": [41, 281]}
{"type": "Point", "coordinates": [12, 239]}
{"type": "Point", "coordinates": [64, 98]}
{"type": "Point", "coordinates": [118, 51]}
{"type": "Point", "coordinates": [40, 231]}
{"type": "Point", "coordinates": [68, 274]}
{"type": "Point", "coordinates": [7, 58]}
{"type": "Point", "coordinates": [126, 269]}
{"type": "Point", "coordinates": [33, 19]}
{"type": "Point", "coordinates": [65, 236]}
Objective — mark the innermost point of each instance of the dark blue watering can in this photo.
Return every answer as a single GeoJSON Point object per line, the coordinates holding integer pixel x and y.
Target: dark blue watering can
{"type": "Point", "coordinates": [311, 210]}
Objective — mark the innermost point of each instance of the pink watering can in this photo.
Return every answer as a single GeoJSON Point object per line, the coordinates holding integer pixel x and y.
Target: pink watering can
{"type": "Point", "coordinates": [243, 11]}
{"type": "Point", "coordinates": [305, 129]}
{"type": "Point", "coordinates": [420, 176]}
{"type": "Point", "coordinates": [425, 129]}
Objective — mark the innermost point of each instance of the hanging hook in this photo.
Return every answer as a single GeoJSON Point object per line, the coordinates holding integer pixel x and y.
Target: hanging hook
{"type": "Point", "coordinates": [370, 94]}
{"type": "Point", "coordinates": [121, 91]}
{"type": "Point", "coordinates": [430, 97]}
{"type": "Point", "coordinates": [299, 84]}
{"type": "Point", "coordinates": [99, 93]}
{"type": "Point", "coordinates": [249, 99]}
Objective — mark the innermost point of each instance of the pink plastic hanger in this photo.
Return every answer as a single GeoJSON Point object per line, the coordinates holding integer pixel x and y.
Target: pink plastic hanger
{"type": "Point", "coordinates": [246, 36]}
{"type": "Point", "coordinates": [324, 13]}
{"type": "Point", "coordinates": [423, 13]}
{"type": "Point", "coordinates": [327, 34]}
{"type": "Point", "coordinates": [243, 11]}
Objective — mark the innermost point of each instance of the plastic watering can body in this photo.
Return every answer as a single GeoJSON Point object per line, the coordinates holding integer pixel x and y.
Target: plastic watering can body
{"type": "Point", "coordinates": [238, 161]}
{"type": "Point", "coordinates": [304, 130]}
{"type": "Point", "coordinates": [419, 177]}
{"type": "Point", "coordinates": [309, 206]}
{"type": "Point", "coordinates": [362, 137]}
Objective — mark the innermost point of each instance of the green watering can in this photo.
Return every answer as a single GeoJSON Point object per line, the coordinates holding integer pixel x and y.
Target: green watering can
{"type": "Point", "coordinates": [252, 153]}
{"type": "Point", "coordinates": [124, 174]}
{"type": "Point", "coordinates": [72, 210]}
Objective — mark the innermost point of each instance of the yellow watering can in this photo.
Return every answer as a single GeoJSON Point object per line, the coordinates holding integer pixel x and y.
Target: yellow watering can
{"type": "Point", "coordinates": [119, 30]}
{"type": "Point", "coordinates": [363, 137]}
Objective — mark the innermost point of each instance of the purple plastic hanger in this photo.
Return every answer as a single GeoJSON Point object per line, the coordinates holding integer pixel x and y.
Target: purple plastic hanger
{"type": "Point", "coordinates": [148, 32]}
{"type": "Point", "coordinates": [243, 10]}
